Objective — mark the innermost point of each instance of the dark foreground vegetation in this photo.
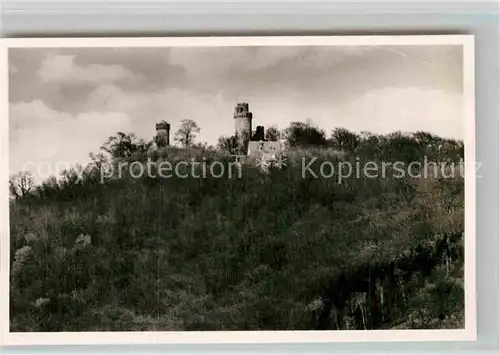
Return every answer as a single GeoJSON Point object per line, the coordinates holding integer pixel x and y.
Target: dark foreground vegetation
{"type": "Point", "coordinates": [273, 251]}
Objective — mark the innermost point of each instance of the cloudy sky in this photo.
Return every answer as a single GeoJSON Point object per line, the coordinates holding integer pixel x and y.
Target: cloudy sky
{"type": "Point", "coordinates": [64, 103]}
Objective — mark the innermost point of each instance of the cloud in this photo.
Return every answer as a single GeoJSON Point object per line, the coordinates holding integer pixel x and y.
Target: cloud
{"type": "Point", "coordinates": [391, 109]}
{"type": "Point", "coordinates": [340, 73]}
{"type": "Point", "coordinates": [43, 138]}
{"type": "Point", "coordinates": [246, 70]}
{"type": "Point", "coordinates": [62, 68]}
{"type": "Point", "coordinates": [69, 100]}
{"type": "Point", "coordinates": [153, 65]}
{"type": "Point", "coordinates": [211, 111]}
{"type": "Point", "coordinates": [207, 60]}
{"type": "Point", "coordinates": [35, 114]}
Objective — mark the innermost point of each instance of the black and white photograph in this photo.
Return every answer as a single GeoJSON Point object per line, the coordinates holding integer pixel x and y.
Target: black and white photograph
{"type": "Point", "coordinates": [222, 186]}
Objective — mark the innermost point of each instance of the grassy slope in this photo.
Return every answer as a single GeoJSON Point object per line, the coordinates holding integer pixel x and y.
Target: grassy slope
{"type": "Point", "coordinates": [210, 254]}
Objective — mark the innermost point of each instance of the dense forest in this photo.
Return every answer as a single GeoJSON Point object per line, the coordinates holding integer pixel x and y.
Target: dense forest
{"type": "Point", "coordinates": [268, 251]}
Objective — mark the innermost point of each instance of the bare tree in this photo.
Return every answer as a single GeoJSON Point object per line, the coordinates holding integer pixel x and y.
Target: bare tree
{"type": "Point", "coordinates": [186, 134]}
{"type": "Point", "coordinates": [21, 184]}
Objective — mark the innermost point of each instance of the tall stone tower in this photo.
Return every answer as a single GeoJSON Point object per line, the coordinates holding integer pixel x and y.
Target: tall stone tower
{"type": "Point", "coordinates": [243, 123]}
{"type": "Point", "coordinates": [162, 138]}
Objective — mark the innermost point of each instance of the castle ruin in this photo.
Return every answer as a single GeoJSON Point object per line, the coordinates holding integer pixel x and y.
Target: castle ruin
{"type": "Point", "coordinates": [162, 138]}
{"type": "Point", "coordinates": [252, 142]}
{"type": "Point", "coordinates": [249, 142]}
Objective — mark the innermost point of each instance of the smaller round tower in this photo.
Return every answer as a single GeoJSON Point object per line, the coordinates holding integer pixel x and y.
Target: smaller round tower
{"type": "Point", "coordinates": [162, 138]}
